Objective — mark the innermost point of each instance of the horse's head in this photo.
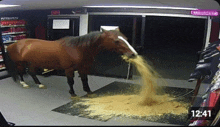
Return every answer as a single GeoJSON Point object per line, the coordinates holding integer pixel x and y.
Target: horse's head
{"type": "Point", "coordinates": [116, 41]}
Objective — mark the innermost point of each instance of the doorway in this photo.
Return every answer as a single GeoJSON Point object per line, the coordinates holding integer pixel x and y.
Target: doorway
{"type": "Point", "coordinates": [107, 63]}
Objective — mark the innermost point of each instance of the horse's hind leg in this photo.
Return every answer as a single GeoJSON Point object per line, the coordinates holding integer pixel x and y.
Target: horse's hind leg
{"type": "Point", "coordinates": [84, 79]}
{"type": "Point", "coordinates": [21, 71]}
{"type": "Point", "coordinates": [70, 81]}
{"type": "Point", "coordinates": [32, 73]}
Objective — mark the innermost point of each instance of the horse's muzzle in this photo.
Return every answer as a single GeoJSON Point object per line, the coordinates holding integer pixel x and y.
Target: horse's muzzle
{"type": "Point", "coordinates": [132, 56]}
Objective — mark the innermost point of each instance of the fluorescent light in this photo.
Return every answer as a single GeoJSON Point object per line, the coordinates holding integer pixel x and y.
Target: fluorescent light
{"type": "Point", "coordinates": [151, 7]}
{"type": "Point", "coordinates": [108, 28]}
{"type": "Point", "coordinates": [6, 5]}
{"type": "Point", "coordinates": [147, 14]}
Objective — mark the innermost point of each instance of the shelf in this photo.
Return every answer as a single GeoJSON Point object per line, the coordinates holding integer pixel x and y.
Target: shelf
{"type": "Point", "coordinates": [4, 74]}
{"type": "Point", "coordinates": [13, 30]}
{"type": "Point", "coordinates": [9, 42]}
{"type": "Point", "coordinates": [2, 68]}
{"type": "Point", "coordinates": [8, 18]}
{"type": "Point", "coordinates": [12, 26]}
{"type": "Point", "coordinates": [14, 33]}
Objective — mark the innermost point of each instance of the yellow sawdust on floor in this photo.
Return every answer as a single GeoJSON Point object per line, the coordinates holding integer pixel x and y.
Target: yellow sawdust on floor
{"type": "Point", "coordinates": [145, 103]}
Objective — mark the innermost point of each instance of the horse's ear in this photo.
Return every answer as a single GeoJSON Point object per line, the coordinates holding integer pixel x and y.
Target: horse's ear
{"type": "Point", "coordinates": [103, 30]}
{"type": "Point", "coordinates": [117, 29]}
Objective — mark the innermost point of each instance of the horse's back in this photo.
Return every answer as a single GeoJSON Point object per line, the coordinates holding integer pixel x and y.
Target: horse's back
{"type": "Point", "coordinates": [31, 46]}
{"type": "Point", "coordinates": [39, 53]}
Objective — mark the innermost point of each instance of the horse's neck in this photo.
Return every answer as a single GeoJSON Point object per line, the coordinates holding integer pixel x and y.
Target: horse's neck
{"type": "Point", "coordinates": [94, 48]}
{"type": "Point", "coordinates": [89, 49]}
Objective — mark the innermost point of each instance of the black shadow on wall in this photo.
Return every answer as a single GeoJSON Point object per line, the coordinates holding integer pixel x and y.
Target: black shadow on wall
{"type": "Point", "coordinates": [171, 44]}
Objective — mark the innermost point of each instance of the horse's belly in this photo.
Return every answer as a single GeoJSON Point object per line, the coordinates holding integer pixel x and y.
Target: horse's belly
{"type": "Point", "coordinates": [49, 60]}
{"type": "Point", "coordinates": [43, 62]}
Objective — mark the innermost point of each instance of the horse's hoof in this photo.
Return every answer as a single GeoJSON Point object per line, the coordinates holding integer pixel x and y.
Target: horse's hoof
{"type": "Point", "coordinates": [91, 95]}
{"type": "Point", "coordinates": [90, 92]}
{"type": "Point", "coordinates": [42, 86]}
{"type": "Point", "coordinates": [75, 97]}
{"type": "Point", "coordinates": [24, 85]}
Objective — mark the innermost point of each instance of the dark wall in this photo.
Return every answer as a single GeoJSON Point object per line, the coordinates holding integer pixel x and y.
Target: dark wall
{"type": "Point", "coordinates": [171, 45]}
{"type": "Point", "coordinates": [33, 17]}
{"type": "Point", "coordinates": [174, 32]}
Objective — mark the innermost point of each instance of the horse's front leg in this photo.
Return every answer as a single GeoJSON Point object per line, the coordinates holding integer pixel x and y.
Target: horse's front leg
{"type": "Point", "coordinates": [70, 81]}
{"type": "Point", "coordinates": [84, 79]}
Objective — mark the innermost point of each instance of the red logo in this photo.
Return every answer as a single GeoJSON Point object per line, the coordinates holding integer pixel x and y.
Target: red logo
{"type": "Point", "coordinates": [55, 12]}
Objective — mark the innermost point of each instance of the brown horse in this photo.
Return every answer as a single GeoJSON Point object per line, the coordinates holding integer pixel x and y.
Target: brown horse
{"type": "Point", "coordinates": [68, 53]}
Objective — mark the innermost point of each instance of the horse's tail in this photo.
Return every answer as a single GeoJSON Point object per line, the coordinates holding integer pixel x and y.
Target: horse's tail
{"type": "Point", "coordinates": [11, 67]}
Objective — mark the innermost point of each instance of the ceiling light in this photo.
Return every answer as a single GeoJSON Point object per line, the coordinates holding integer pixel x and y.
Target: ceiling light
{"type": "Point", "coordinates": [147, 7]}
{"type": "Point", "coordinates": [6, 5]}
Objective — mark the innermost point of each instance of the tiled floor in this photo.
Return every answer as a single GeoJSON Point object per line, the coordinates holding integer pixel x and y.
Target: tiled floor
{"type": "Point", "coordinates": [33, 106]}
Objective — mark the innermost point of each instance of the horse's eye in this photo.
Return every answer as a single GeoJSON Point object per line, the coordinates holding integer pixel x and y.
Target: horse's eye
{"type": "Point", "coordinates": [117, 42]}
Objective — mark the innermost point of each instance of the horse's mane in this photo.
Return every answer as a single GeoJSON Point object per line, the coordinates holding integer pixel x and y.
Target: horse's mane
{"type": "Point", "coordinates": [84, 40]}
